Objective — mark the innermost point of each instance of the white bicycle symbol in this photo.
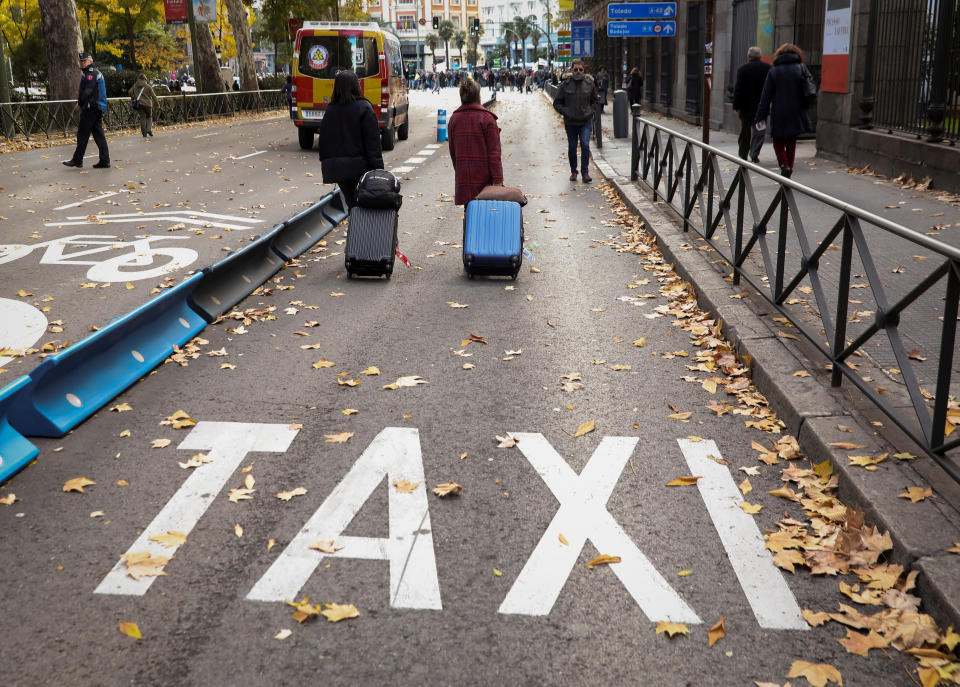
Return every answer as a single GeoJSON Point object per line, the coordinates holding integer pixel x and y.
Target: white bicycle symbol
{"type": "Point", "coordinates": [143, 261]}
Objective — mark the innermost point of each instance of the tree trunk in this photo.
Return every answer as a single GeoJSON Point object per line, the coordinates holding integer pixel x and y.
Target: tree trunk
{"type": "Point", "coordinates": [128, 19]}
{"type": "Point", "coordinates": [241, 37]}
{"type": "Point", "coordinates": [210, 79]}
{"type": "Point", "coordinates": [61, 33]}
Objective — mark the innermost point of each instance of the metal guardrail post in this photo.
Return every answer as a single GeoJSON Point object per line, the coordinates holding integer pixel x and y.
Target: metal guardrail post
{"type": "Point", "coordinates": [942, 63]}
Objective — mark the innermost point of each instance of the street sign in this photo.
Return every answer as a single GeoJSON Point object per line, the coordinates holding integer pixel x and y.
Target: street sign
{"type": "Point", "coordinates": [582, 38]}
{"type": "Point", "coordinates": [641, 29]}
{"type": "Point", "coordinates": [422, 21]}
{"type": "Point", "coordinates": [642, 10]}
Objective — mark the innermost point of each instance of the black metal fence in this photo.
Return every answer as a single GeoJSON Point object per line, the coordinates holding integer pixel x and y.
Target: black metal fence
{"type": "Point", "coordinates": [912, 79]}
{"type": "Point", "coordinates": [52, 118]}
{"type": "Point", "coordinates": [848, 299]}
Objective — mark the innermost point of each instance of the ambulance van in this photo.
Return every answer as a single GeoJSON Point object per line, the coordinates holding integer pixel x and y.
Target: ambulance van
{"type": "Point", "coordinates": [324, 48]}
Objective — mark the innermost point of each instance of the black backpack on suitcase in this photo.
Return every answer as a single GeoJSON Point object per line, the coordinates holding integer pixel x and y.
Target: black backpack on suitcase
{"type": "Point", "coordinates": [379, 189]}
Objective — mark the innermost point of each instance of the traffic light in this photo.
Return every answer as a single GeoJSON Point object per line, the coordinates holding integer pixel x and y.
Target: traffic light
{"type": "Point", "coordinates": [436, 22]}
{"type": "Point", "coordinates": [475, 26]}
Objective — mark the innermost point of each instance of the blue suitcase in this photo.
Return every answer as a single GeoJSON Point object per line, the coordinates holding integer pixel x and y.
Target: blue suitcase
{"type": "Point", "coordinates": [492, 238]}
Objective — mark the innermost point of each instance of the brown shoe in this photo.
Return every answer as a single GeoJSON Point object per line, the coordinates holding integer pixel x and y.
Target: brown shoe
{"type": "Point", "coordinates": [573, 175]}
{"type": "Point", "coordinates": [587, 178]}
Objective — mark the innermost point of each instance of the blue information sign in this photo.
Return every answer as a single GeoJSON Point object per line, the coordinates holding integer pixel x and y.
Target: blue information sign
{"type": "Point", "coordinates": [641, 29]}
{"type": "Point", "coordinates": [581, 38]}
{"type": "Point", "coordinates": [642, 10]}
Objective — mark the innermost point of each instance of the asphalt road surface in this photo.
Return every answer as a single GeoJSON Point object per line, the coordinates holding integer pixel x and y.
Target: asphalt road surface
{"type": "Point", "coordinates": [486, 587]}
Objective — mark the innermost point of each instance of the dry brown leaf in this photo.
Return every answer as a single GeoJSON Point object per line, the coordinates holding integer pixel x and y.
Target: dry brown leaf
{"type": "Point", "coordinates": [846, 445]}
{"type": "Point", "coordinates": [143, 564]}
{"type": "Point", "coordinates": [745, 486]}
{"type": "Point", "coordinates": [506, 441]}
{"type": "Point", "coordinates": [585, 428]}
{"type": "Point", "coordinates": [322, 363]}
{"type": "Point", "coordinates": [287, 495]}
{"type": "Point", "coordinates": [717, 632]}
{"type": "Point", "coordinates": [196, 461]}
{"type": "Point", "coordinates": [916, 494]}
{"type": "Point", "coordinates": [685, 481]}
{"type": "Point", "coordinates": [817, 674]}
{"type": "Point", "coordinates": [249, 481]}
{"type": "Point", "coordinates": [371, 371]}
{"type": "Point", "coordinates": [447, 488]}
{"type": "Point", "coordinates": [860, 644]}
{"type": "Point", "coordinates": [680, 416]}
{"type": "Point", "coordinates": [788, 559]}
{"type": "Point", "coordinates": [750, 508]}
{"type": "Point", "coordinates": [240, 494]}
{"type": "Point", "coordinates": [603, 559]}
{"type": "Point", "coordinates": [77, 484]}
{"type": "Point", "coordinates": [160, 443]}
{"type": "Point", "coordinates": [337, 612]}
{"type": "Point", "coordinates": [671, 629]}
{"type": "Point", "coordinates": [170, 539]}
{"type": "Point", "coordinates": [338, 438]}
{"type": "Point", "coordinates": [9, 499]}
{"type": "Point", "coordinates": [121, 407]}
{"type": "Point", "coordinates": [562, 539]}
{"type": "Point", "coordinates": [325, 546]}
{"type": "Point", "coordinates": [815, 618]}
{"type": "Point", "coordinates": [405, 487]}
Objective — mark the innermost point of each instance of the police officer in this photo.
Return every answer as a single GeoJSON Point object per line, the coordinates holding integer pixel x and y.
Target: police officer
{"type": "Point", "coordinates": [92, 105]}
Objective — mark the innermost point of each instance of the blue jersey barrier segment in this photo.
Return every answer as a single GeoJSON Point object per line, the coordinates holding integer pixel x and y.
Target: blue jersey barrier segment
{"type": "Point", "coordinates": [302, 231]}
{"type": "Point", "coordinates": [229, 281]}
{"type": "Point", "coordinates": [15, 450]}
{"type": "Point", "coordinates": [70, 386]}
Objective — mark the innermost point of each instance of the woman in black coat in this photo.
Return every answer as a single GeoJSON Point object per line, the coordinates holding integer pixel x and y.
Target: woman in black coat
{"type": "Point", "coordinates": [349, 137]}
{"type": "Point", "coordinates": [635, 87]}
{"type": "Point", "coordinates": [784, 99]}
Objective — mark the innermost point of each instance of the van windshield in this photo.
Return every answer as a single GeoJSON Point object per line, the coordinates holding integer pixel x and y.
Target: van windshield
{"type": "Point", "coordinates": [323, 56]}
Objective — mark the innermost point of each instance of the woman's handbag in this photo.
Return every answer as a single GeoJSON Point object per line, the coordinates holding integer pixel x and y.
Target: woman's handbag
{"type": "Point", "coordinates": [809, 87]}
{"type": "Point", "coordinates": [510, 194]}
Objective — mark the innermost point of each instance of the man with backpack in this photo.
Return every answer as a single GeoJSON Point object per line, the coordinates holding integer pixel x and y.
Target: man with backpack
{"type": "Point", "coordinates": [576, 100]}
{"type": "Point", "coordinates": [92, 105]}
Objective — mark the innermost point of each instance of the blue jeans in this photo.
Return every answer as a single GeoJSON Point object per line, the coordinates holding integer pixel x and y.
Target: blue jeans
{"type": "Point", "coordinates": [581, 133]}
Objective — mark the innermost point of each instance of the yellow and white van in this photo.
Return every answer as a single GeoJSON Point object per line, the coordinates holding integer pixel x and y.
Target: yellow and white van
{"type": "Point", "coordinates": [323, 48]}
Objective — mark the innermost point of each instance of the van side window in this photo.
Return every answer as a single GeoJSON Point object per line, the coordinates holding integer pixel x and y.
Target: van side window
{"type": "Point", "coordinates": [396, 65]}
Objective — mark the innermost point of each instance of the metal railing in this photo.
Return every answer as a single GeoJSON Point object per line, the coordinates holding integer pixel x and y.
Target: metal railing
{"type": "Point", "coordinates": [52, 118]}
{"type": "Point", "coordinates": [772, 248]}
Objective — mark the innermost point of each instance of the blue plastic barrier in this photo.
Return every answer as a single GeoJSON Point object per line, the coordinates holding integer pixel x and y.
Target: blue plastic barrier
{"type": "Point", "coordinates": [302, 231]}
{"type": "Point", "coordinates": [335, 207]}
{"type": "Point", "coordinates": [68, 387]}
{"type": "Point", "coordinates": [15, 450]}
{"type": "Point", "coordinates": [232, 279]}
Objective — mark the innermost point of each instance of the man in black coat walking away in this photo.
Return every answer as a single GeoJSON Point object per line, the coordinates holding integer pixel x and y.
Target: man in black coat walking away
{"type": "Point", "coordinates": [784, 99]}
{"type": "Point", "coordinates": [746, 97]}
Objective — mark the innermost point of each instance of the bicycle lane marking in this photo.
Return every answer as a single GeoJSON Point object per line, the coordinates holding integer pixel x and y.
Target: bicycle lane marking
{"type": "Point", "coordinates": [23, 326]}
{"type": "Point", "coordinates": [88, 200]}
{"type": "Point", "coordinates": [773, 604]}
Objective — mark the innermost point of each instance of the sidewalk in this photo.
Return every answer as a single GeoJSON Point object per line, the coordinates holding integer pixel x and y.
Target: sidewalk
{"type": "Point", "coordinates": [828, 422]}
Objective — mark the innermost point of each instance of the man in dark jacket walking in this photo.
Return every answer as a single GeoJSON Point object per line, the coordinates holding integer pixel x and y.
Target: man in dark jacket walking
{"type": "Point", "coordinates": [576, 100]}
{"type": "Point", "coordinates": [92, 105]}
{"type": "Point", "coordinates": [746, 97]}
{"type": "Point", "coordinates": [784, 100]}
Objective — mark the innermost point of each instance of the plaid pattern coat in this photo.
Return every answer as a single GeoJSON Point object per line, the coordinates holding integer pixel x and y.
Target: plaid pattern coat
{"type": "Point", "coordinates": [475, 150]}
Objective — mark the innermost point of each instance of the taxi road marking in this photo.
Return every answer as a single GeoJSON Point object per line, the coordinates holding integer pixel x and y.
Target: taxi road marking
{"type": "Point", "coordinates": [773, 604]}
{"type": "Point", "coordinates": [583, 515]}
{"type": "Point", "coordinates": [395, 454]}
{"type": "Point", "coordinates": [228, 443]}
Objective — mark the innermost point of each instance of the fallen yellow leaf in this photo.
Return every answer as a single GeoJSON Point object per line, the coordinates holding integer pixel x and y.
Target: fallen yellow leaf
{"type": "Point", "coordinates": [916, 494]}
{"type": "Point", "coordinates": [585, 428]}
{"type": "Point", "coordinates": [672, 629]}
{"type": "Point", "coordinates": [817, 674]}
{"type": "Point", "coordinates": [322, 363]}
{"type": "Point", "coordinates": [337, 612]}
{"type": "Point", "coordinates": [447, 488]}
{"type": "Point", "coordinates": [131, 630]}
{"type": "Point", "coordinates": [603, 559]}
{"type": "Point", "coordinates": [750, 508]}
{"type": "Point", "coordinates": [563, 540]}
{"type": "Point", "coordinates": [325, 546]}
{"type": "Point", "coordinates": [9, 499]}
{"type": "Point", "coordinates": [745, 486]}
{"type": "Point", "coordinates": [121, 407]}
{"type": "Point", "coordinates": [160, 443]}
{"type": "Point", "coordinates": [684, 481]}
{"type": "Point", "coordinates": [371, 371]}
{"type": "Point", "coordinates": [287, 495]}
{"type": "Point", "coordinates": [77, 484]}
{"type": "Point", "coordinates": [238, 530]}
{"type": "Point", "coordinates": [717, 632]}
{"type": "Point", "coordinates": [405, 487]}
{"type": "Point", "coordinates": [170, 539]}
{"type": "Point", "coordinates": [338, 438]}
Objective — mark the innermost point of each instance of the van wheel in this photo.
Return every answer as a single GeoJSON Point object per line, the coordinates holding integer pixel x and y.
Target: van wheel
{"type": "Point", "coordinates": [404, 131]}
{"type": "Point", "coordinates": [388, 138]}
{"type": "Point", "coordinates": [306, 137]}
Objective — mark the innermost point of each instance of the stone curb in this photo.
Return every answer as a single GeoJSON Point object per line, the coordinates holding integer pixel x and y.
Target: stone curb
{"type": "Point", "coordinates": [921, 532]}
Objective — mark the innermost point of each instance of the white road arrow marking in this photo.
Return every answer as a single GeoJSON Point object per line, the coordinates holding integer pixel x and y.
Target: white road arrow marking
{"type": "Point", "coordinates": [395, 454]}
{"type": "Point", "coordinates": [773, 604]}
{"type": "Point", "coordinates": [228, 443]}
{"type": "Point", "coordinates": [88, 200]}
{"type": "Point", "coordinates": [583, 515]}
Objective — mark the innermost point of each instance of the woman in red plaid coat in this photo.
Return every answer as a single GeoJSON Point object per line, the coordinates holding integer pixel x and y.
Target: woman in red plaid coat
{"type": "Point", "coordinates": [474, 145]}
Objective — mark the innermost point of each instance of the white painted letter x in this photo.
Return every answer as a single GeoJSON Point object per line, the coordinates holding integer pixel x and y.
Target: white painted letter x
{"type": "Point", "coordinates": [583, 515]}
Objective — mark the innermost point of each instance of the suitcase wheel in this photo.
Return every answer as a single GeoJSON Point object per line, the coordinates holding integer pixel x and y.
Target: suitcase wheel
{"type": "Point", "coordinates": [514, 276]}
{"type": "Point", "coordinates": [388, 275]}
{"type": "Point", "coordinates": [469, 275]}
{"type": "Point", "coordinates": [349, 275]}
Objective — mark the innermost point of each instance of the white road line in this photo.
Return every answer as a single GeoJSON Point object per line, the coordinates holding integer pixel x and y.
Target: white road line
{"type": "Point", "coordinates": [205, 135]}
{"type": "Point", "coordinates": [426, 152]}
{"type": "Point", "coordinates": [773, 604]}
{"type": "Point", "coordinates": [583, 515]}
{"type": "Point", "coordinates": [400, 170]}
{"type": "Point", "coordinates": [432, 145]}
{"type": "Point", "coordinates": [414, 160]}
{"type": "Point", "coordinates": [133, 220]}
{"type": "Point", "coordinates": [228, 443]}
{"type": "Point", "coordinates": [164, 213]}
{"type": "Point", "coordinates": [395, 454]}
{"type": "Point", "coordinates": [88, 200]}
{"type": "Point", "coordinates": [244, 157]}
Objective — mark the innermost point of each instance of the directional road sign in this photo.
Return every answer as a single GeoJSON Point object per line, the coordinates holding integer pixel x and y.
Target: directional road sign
{"type": "Point", "coordinates": [582, 37]}
{"type": "Point", "coordinates": [644, 29]}
{"type": "Point", "coordinates": [642, 10]}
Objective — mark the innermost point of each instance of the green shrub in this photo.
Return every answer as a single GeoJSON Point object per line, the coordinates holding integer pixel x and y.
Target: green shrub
{"type": "Point", "coordinates": [118, 83]}
{"type": "Point", "coordinates": [272, 82]}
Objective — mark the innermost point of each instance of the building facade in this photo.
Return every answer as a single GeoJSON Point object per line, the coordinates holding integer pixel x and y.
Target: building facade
{"type": "Point", "coordinates": [412, 20]}
{"type": "Point", "coordinates": [889, 83]}
{"type": "Point", "coordinates": [495, 14]}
